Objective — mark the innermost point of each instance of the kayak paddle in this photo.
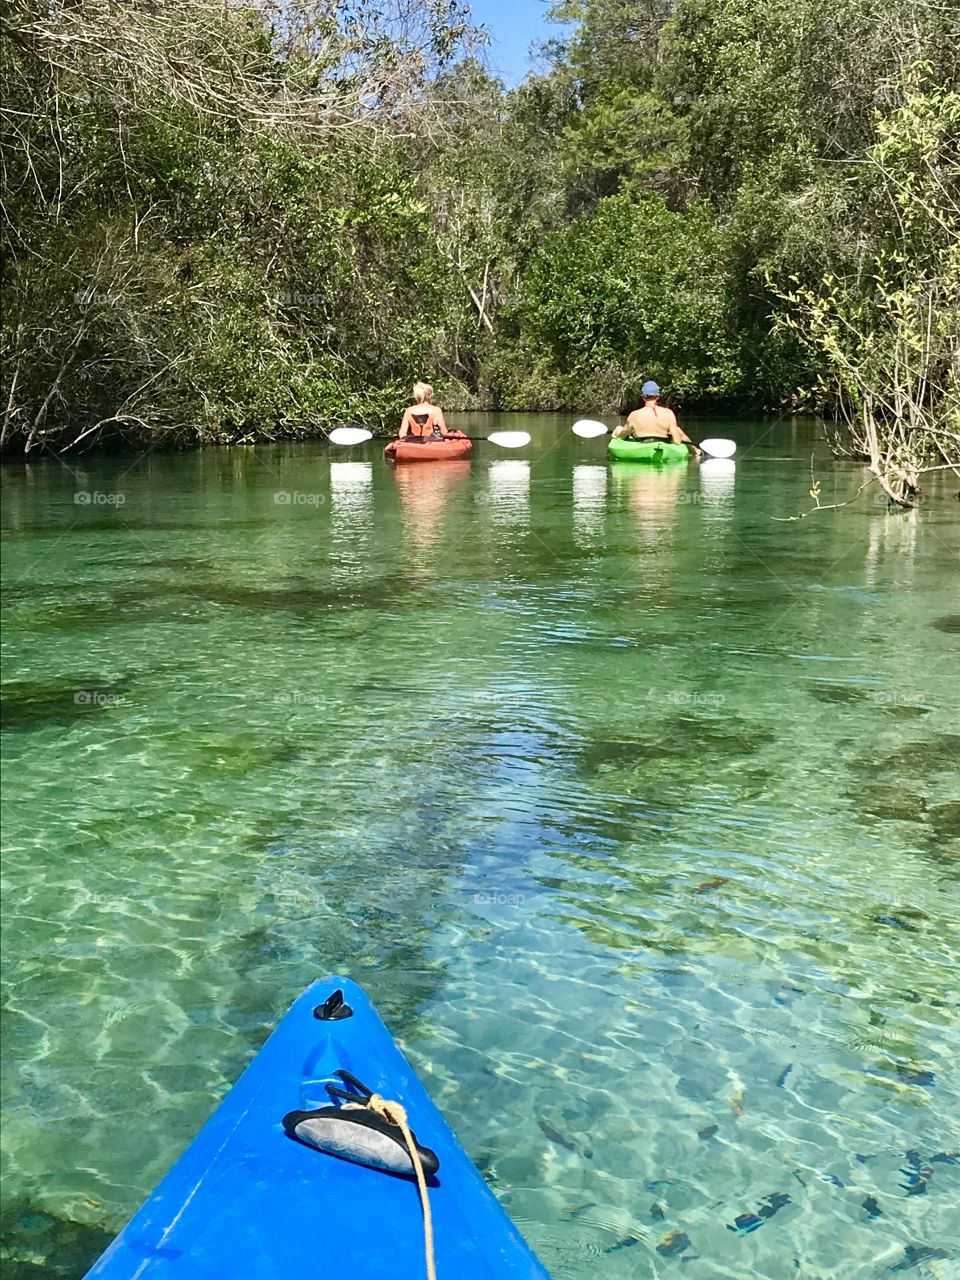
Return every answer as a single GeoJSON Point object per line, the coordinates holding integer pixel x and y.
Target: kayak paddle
{"type": "Point", "coordinates": [349, 435]}
{"type": "Point", "coordinates": [505, 439]}
{"type": "Point", "coordinates": [590, 429]}
{"type": "Point", "coordinates": [718, 448]}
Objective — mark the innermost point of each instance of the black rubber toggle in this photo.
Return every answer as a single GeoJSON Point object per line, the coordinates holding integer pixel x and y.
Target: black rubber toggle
{"type": "Point", "coordinates": [355, 1089]}
{"type": "Point", "coordinates": [333, 1008]}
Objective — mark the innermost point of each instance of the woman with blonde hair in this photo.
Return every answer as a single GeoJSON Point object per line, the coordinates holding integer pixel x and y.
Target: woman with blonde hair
{"type": "Point", "coordinates": [424, 420]}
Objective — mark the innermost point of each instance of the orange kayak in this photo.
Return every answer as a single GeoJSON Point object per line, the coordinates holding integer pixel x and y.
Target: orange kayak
{"type": "Point", "coordinates": [428, 450]}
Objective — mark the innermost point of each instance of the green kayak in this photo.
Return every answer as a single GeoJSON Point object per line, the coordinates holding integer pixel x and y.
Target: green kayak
{"type": "Point", "coordinates": [654, 452]}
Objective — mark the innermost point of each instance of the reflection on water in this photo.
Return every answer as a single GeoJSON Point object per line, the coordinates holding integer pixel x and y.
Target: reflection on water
{"type": "Point", "coordinates": [643, 832]}
{"type": "Point", "coordinates": [426, 490]}
{"type": "Point", "coordinates": [718, 483]}
{"type": "Point", "coordinates": [351, 488]}
{"type": "Point", "coordinates": [351, 506]}
{"type": "Point", "coordinates": [589, 501]}
{"type": "Point", "coordinates": [894, 532]}
{"type": "Point", "coordinates": [508, 491]}
{"type": "Point", "coordinates": [650, 493]}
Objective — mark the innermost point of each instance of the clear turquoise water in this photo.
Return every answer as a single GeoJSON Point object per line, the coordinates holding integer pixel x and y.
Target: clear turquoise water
{"type": "Point", "coordinates": [635, 809]}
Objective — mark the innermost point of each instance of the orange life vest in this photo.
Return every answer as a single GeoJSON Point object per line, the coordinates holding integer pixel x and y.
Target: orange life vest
{"type": "Point", "coordinates": [422, 424]}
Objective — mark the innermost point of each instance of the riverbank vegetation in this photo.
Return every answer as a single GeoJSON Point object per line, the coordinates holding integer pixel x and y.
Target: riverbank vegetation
{"type": "Point", "coordinates": [226, 222]}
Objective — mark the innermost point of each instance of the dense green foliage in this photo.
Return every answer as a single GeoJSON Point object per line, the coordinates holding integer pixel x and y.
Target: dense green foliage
{"type": "Point", "coordinates": [223, 222]}
{"type": "Point", "coordinates": [634, 288]}
{"type": "Point", "coordinates": [211, 232]}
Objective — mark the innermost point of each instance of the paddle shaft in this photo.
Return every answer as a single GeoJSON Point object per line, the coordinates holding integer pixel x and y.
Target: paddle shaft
{"type": "Point", "coordinates": [491, 438]}
{"type": "Point", "coordinates": [434, 438]}
{"type": "Point", "coordinates": [426, 439]}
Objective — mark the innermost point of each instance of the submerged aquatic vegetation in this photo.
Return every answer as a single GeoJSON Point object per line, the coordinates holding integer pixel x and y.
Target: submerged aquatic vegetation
{"type": "Point", "coordinates": [35, 1240]}
{"type": "Point", "coordinates": [36, 704]}
{"type": "Point", "coordinates": [839, 693]}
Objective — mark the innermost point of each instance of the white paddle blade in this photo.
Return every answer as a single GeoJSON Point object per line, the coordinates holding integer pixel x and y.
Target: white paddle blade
{"type": "Point", "coordinates": [589, 429]}
{"type": "Point", "coordinates": [719, 448]}
{"type": "Point", "coordinates": [349, 435]}
{"type": "Point", "coordinates": [510, 439]}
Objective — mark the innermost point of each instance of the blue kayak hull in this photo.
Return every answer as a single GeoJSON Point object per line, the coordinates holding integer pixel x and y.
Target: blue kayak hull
{"type": "Point", "coordinates": [245, 1200]}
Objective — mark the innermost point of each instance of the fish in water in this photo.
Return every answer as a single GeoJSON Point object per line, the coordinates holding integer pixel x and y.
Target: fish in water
{"type": "Point", "coordinates": [747, 1222]}
{"type": "Point", "coordinates": [785, 992]}
{"type": "Point", "coordinates": [658, 1211]}
{"type": "Point", "coordinates": [873, 1209]}
{"type": "Point", "coordinates": [581, 1208]}
{"type": "Point", "coordinates": [737, 1101]}
{"type": "Point", "coordinates": [626, 1243]}
{"type": "Point", "coordinates": [673, 1243]}
{"type": "Point", "coordinates": [914, 1254]}
{"type": "Point", "coordinates": [920, 1076]}
{"type": "Point", "coordinates": [917, 1179]}
{"type": "Point", "coordinates": [894, 922]}
{"type": "Point", "coordinates": [716, 883]}
{"type": "Point", "coordinates": [782, 1077]}
{"type": "Point", "coordinates": [708, 1132]}
{"type": "Point", "coordinates": [773, 1204]}
{"type": "Point", "coordinates": [548, 1131]}
{"type": "Point", "coordinates": [832, 1179]}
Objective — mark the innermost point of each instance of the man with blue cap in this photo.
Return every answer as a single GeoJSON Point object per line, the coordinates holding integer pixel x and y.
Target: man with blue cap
{"type": "Point", "coordinates": [654, 421]}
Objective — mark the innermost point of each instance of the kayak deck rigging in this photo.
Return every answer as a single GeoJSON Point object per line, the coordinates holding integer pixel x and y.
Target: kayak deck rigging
{"type": "Point", "coordinates": [249, 1198]}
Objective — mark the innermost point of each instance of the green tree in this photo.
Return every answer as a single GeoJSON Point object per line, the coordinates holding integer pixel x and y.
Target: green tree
{"type": "Point", "coordinates": [889, 327]}
{"type": "Point", "coordinates": [633, 291]}
{"type": "Point", "coordinates": [207, 232]}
